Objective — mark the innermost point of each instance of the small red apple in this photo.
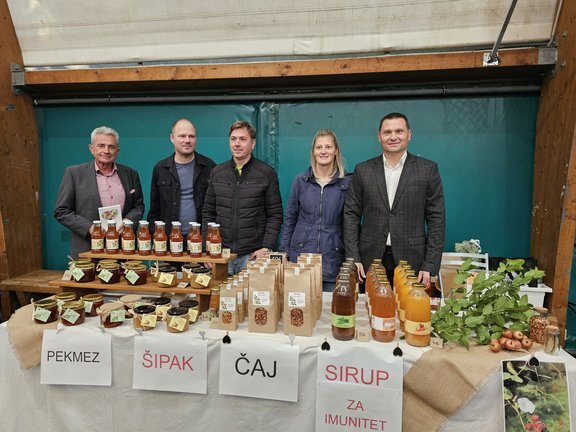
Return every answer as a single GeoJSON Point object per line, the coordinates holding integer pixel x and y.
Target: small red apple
{"type": "Point", "coordinates": [518, 335]}
{"type": "Point", "coordinates": [495, 345]}
{"type": "Point", "coordinates": [510, 345]}
{"type": "Point", "coordinates": [507, 333]}
{"type": "Point", "coordinates": [526, 343]}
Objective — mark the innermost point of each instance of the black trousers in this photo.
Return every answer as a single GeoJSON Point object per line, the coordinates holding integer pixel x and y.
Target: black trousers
{"type": "Point", "coordinates": [389, 264]}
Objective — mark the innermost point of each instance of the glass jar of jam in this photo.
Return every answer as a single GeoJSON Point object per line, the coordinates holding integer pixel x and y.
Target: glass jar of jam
{"type": "Point", "coordinates": [83, 271]}
{"type": "Point", "coordinates": [176, 240]}
{"type": "Point", "coordinates": [108, 272]}
{"type": "Point", "coordinates": [177, 320]}
{"type": "Point", "coordinates": [157, 268]}
{"type": "Point", "coordinates": [129, 301]}
{"type": "Point", "coordinates": [91, 303]}
{"type": "Point", "coordinates": [97, 238]}
{"type": "Point", "coordinates": [167, 277]}
{"type": "Point", "coordinates": [64, 297]}
{"type": "Point", "coordinates": [128, 238]}
{"type": "Point", "coordinates": [136, 275]}
{"type": "Point", "coordinates": [139, 312]}
{"type": "Point", "coordinates": [193, 309]}
{"type": "Point", "coordinates": [161, 301]}
{"type": "Point", "coordinates": [195, 240]}
{"type": "Point", "coordinates": [72, 313]}
{"type": "Point", "coordinates": [144, 238]}
{"type": "Point", "coordinates": [111, 314]}
{"type": "Point", "coordinates": [45, 311]}
{"type": "Point", "coordinates": [112, 238]}
{"type": "Point", "coordinates": [160, 239]}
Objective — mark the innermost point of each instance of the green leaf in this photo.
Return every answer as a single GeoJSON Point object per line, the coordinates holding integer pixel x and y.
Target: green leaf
{"type": "Point", "coordinates": [517, 379]}
{"type": "Point", "coordinates": [510, 368]}
{"type": "Point", "coordinates": [506, 376]}
{"type": "Point", "coordinates": [464, 342]}
{"type": "Point", "coordinates": [508, 394]}
{"type": "Point", "coordinates": [473, 321]}
{"type": "Point", "coordinates": [487, 309]}
{"type": "Point", "coordinates": [499, 320]}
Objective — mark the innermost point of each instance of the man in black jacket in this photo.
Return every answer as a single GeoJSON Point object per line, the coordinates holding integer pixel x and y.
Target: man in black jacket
{"type": "Point", "coordinates": [179, 182]}
{"type": "Point", "coordinates": [244, 198]}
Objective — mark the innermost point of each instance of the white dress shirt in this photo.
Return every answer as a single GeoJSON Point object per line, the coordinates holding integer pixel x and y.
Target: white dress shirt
{"type": "Point", "coordinates": [392, 174]}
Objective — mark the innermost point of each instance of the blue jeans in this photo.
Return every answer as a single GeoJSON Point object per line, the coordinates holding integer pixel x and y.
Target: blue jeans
{"type": "Point", "coordinates": [328, 286]}
{"type": "Point", "coordinates": [238, 264]}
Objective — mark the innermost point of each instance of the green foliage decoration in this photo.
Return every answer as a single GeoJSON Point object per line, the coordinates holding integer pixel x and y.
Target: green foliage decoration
{"type": "Point", "coordinates": [492, 303]}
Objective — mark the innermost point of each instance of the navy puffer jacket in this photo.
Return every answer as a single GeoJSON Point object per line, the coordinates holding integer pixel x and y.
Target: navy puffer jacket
{"type": "Point", "coordinates": [313, 221]}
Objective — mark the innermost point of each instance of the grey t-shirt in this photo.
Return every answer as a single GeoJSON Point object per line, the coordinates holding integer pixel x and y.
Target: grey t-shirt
{"type": "Point", "coordinates": [187, 204]}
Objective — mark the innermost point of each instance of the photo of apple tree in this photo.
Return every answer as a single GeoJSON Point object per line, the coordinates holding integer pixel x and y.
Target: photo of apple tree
{"type": "Point", "coordinates": [535, 397]}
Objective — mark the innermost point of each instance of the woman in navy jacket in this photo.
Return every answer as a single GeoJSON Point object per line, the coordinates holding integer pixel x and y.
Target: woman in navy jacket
{"type": "Point", "coordinates": [313, 219]}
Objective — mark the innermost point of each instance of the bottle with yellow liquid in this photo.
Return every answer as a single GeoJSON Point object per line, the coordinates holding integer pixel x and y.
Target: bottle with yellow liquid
{"type": "Point", "coordinates": [417, 326]}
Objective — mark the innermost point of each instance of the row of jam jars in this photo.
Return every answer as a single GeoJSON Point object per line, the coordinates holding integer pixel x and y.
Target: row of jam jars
{"type": "Point", "coordinates": [417, 326]}
{"type": "Point", "coordinates": [344, 309]}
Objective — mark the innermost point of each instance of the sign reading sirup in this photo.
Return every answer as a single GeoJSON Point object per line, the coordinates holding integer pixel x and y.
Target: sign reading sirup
{"type": "Point", "coordinates": [76, 356]}
{"type": "Point", "coordinates": [359, 388]}
{"type": "Point", "coordinates": [256, 367]}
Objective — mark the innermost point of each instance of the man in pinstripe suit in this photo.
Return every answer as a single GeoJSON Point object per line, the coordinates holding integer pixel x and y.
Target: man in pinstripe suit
{"type": "Point", "coordinates": [395, 206]}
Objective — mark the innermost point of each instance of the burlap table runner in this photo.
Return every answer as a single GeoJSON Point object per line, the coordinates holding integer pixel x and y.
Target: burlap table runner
{"type": "Point", "coordinates": [26, 336]}
{"type": "Point", "coordinates": [442, 381]}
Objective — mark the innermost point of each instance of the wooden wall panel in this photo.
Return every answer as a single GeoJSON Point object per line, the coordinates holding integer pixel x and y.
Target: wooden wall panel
{"type": "Point", "coordinates": [554, 199]}
{"type": "Point", "coordinates": [20, 233]}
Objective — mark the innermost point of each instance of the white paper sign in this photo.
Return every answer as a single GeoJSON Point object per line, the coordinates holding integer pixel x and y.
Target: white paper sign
{"type": "Point", "coordinates": [359, 388]}
{"type": "Point", "coordinates": [170, 362]}
{"type": "Point", "coordinates": [76, 356]}
{"type": "Point", "coordinates": [113, 212]}
{"type": "Point", "coordinates": [259, 367]}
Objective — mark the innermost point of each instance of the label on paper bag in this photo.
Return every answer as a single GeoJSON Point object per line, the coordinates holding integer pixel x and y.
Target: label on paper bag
{"type": "Point", "coordinates": [297, 299]}
{"type": "Point", "coordinates": [228, 303]}
{"type": "Point", "coordinates": [261, 298]}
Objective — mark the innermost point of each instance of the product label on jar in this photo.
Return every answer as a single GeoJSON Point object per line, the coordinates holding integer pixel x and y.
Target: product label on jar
{"type": "Point", "coordinates": [383, 324]}
{"type": "Point", "coordinates": [228, 303]}
{"type": "Point", "coordinates": [417, 328]}
{"type": "Point", "coordinates": [111, 244]}
{"type": "Point", "coordinates": [128, 245]}
{"type": "Point", "coordinates": [193, 315]}
{"type": "Point", "coordinates": [41, 314]}
{"type": "Point", "coordinates": [261, 298]}
{"type": "Point", "coordinates": [88, 305]}
{"type": "Point", "coordinates": [97, 244]}
{"type": "Point", "coordinates": [149, 320]}
{"type": "Point", "coordinates": [132, 276]}
{"type": "Point", "coordinates": [176, 247]}
{"type": "Point", "coordinates": [161, 311]}
{"type": "Point", "coordinates": [177, 323]}
{"type": "Point", "coordinates": [215, 248]}
{"type": "Point", "coordinates": [203, 279]}
{"type": "Point", "coordinates": [166, 278]}
{"type": "Point", "coordinates": [343, 321]}
{"type": "Point", "coordinates": [105, 275]}
{"type": "Point", "coordinates": [160, 246]}
{"type": "Point", "coordinates": [70, 316]}
{"type": "Point", "coordinates": [117, 316]}
{"type": "Point", "coordinates": [144, 245]}
{"type": "Point", "coordinates": [297, 299]}
{"type": "Point", "coordinates": [77, 274]}
{"type": "Point", "coordinates": [195, 247]}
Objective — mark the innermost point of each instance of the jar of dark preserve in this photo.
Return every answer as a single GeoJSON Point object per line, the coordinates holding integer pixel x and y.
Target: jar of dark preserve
{"type": "Point", "coordinates": [64, 297]}
{"type": "Point", "coordinates": [111, 314]}
{"type": "Point", "coordinates": [108, 272]}
{"type": "Point", "coordinates": [136, 275]}
{"type": "Point", "coordinates": [45, 311]}
{"type": "Point", "coordinates": [88, 270]}
{"type": "Point", "coordinates": [91, 303]}
{"type": "Point", "coordinates": [72, 313]}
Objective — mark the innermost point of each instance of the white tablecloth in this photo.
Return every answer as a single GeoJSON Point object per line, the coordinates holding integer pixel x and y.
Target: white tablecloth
{"type": "Point", "coordinates": [26, 405]}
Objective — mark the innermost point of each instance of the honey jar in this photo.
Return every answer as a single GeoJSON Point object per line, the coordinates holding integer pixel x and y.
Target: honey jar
{"type": "Point", "coordinates": [167, 277]}
{"type": "Point", "coordinates": [72, 313]}
{"type": "Point", "coordinates": [139, 314]}
{"type": "Point", "coordinates": [45, 311]}
{"type": "Point", "coordinates": [111, 314]}
{"type": "Point", "coordinates": [157, 268]}
{"type": "Point", "coordinates": [193, 309]}
{"type": "Point", "coordinates": [91, 303]}
{"type": "Point", "coordinates": [177, 320]}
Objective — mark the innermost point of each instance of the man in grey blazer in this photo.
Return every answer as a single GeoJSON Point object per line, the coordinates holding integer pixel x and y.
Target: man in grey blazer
{"type": "Point", "coordinates": [394, 208]}
{"type": "Point", "coordinates": [98, 183]}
